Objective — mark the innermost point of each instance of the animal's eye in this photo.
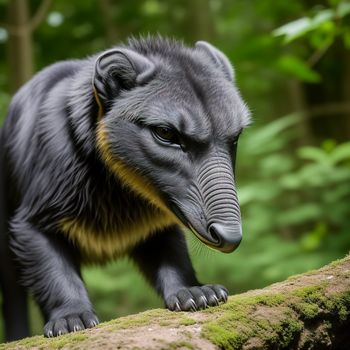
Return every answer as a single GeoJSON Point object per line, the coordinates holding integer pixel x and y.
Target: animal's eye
{"type": "Point", "coordinates": [165, 134]}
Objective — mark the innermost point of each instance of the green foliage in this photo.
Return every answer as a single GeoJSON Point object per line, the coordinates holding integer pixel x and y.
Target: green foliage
{"type": "Point", "coordinates": [4, 102]}
{"type": "Point", "coordinates": [321, 28]}
{"type": "Point", "coordinates": [297, 189]}
{"type": "Point", "coordinates": [296, 67]}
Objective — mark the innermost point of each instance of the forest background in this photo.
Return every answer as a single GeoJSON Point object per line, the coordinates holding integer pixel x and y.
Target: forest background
{"type": "Point", "coordinates": [292, 63]}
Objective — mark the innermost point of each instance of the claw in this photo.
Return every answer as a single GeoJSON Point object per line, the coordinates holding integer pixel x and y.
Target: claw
{"type": "Point", "coordinates": [76, 328]}
{"type": "Point", "coordinates": [50, 334]}
{"type": "Point", "coordinates": [223, 296]}
{"type": "Point", "coordinates": [216, 300]}
{"type": "Point", "coordinates": [193, 305]}
{"type": "Point", "coordinates": [205, 301]}
{"type": "Point", "coordinates": [177, 307]}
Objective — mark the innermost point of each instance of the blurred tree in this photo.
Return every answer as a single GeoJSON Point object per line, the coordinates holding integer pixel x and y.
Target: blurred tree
{"type": "Point", "coordinates": [20, 25]}
{"type": "Point", "coordinates": [107, 8]}
{"type": "Point", "coordinates": [200, 21]}
{"type": "Point", "coordinates": [321, 38]}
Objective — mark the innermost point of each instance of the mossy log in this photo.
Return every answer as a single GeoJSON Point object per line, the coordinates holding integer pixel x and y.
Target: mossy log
{"type": "Point", "coordinates": [309, 311]}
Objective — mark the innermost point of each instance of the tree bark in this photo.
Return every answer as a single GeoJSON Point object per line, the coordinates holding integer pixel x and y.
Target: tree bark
{"type": "Point", "coordinates": [20, 26]}
{"type": "Point", "coordinates": [107, 8]}
{"type": "Point", "coordinates": [200, 20]}
{"type": "Point", "coordinates": [309, 311]}
{"type": "Point", "coordinates": [20, 48]}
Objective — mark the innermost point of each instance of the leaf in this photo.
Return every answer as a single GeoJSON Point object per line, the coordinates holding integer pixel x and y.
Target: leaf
{"type": "Point", "coordinates": [322, 17]}
{"type": "Point", "coordinates": [313, 153]}
{"type": "Point", "coordinates": [312, 240]}
{"type": "Point", "coordinates": [300, 214]}
{"type": "Point", "coordinates": [346, 39]}
{"type": "Point", "coordinates": [295, 29]}
{"type": "Point", "coordinates": [298, 68]}
{"type": "Point", "coordinates": [268, 138]}
{"type": "Point", "coordinates": [343, 9]}
{"type": "Point", "coordinates": [340, 153]}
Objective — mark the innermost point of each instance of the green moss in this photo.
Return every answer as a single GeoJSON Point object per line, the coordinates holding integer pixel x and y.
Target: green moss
{"type": "Point", "coordinates": [146, 318]}
{"type": "Point", "coordinates": [222, 337]}
{"type": "Point", "coordinates": [339, 262]}
{"type": "Point", "coordinates": [339, 305]}
{"type": "Point", "coordinates": [307, 311]}
{"type": "Point", "coordinates": [40, 342]}
{"type": "Point", "coordinates": [238, 322]}
{"type": "Point", "coordinates": [313, 302]}
{"type": "Point", "coordinates": [269, 300]}
{"type": "Point", "coordinates": [233, 330]}
{"type": "Point", "coordinates": [281, 332]}
{"type": "Point", "coordinates": [310, 293]}
{"type": "Point", "coordinates": [68, 339]}
{"type": "Point", "coordinates": [187, 321]}
{"type": "Point", "coordinates": [27, 342]}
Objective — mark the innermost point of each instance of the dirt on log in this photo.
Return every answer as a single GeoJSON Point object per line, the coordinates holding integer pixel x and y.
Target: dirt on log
{"type": "Point", "coordinates": [309, 311]}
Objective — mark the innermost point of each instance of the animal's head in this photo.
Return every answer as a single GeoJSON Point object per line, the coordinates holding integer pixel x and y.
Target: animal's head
{"type": "Point", "coordinates": [171, 121]}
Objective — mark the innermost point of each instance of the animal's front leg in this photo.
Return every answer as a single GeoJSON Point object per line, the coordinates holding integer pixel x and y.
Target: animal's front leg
{"type": "Point", "coordinates": [50, 269]}
{"type": "Point", "coordinates": [164, 260]}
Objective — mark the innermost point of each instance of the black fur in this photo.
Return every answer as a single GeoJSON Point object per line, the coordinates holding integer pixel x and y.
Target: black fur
{"type": "Point", "coordinates": [55, 172]}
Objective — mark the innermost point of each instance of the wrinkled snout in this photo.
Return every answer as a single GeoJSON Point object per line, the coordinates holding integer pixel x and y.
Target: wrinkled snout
{"type": "Point", "coordinates": [216, 221]}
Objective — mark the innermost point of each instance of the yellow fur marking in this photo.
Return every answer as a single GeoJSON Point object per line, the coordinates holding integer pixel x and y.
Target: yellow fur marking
{"type": "Point", "coordinates": [99, 103]}
{"type": "Point", "coordinates": [128, 176]}
{"type": "Point", "coordinates": [105, 245]}
{"type": "Point", "coordinates": [110, 241]}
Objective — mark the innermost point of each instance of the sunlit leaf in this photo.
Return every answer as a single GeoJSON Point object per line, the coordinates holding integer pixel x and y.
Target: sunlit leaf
{"type": "Point", "coordinates": [329, 145]}
{"type": "Point", "coordinates": [312, 240]}
{"type": "Point", "coordinates": [295, 29]}
{"type": "Point", "coordinates": [269, 138]}
{"type": "Point", "coordinates": [341, 152]}
{"type": "Point", "coordinates": [298, 68]}
{"type": "Point", "coordinates": [343, 9]}
{"type": "Point", "coordinates": [322, 17]}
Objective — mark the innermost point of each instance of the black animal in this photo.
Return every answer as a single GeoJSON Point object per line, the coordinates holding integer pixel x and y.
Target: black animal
{"type": "Point", "coordinates": [115, 155]}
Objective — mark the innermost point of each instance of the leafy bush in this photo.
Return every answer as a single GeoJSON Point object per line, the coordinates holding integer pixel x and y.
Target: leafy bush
{"type": "Point", "coordinates": [300, 191]}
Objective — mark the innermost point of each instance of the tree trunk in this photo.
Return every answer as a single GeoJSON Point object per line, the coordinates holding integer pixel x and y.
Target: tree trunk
{"type": "Point", "coordinates": [346, 88]}
{"type": "Point", "coordinates": [298, 103]}
{"type": "Point", "coordinates": [107, 11]}
{"type": "Point", "coordinates": [309, 311]}
{"type": "Point", "coordinates": [20, 51]}
{"type": "Point", "coordinates": [200, 20]}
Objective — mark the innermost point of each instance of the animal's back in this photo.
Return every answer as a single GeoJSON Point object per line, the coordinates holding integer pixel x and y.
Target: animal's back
{"type": "Point", "coordinates": [73, 198]}
{"type": "Point", "coordinates": [21, 126]}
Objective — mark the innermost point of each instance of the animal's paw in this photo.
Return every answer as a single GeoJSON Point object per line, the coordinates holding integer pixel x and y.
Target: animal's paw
{"type": "Point", "coordinates": [197, 298]}
{"type": "Point", "coordinates": [70, 323]}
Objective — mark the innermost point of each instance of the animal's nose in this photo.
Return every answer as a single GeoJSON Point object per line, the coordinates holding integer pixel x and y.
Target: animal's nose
{"type": "Point", "coordinates": [226, 237]}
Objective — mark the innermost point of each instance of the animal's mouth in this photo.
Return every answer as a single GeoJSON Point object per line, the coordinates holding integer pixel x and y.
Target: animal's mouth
{"type": "Point", "coordinates": [220, 236]}
{"type": "Point", "coordinates": [202, 239]}
{"type": "Point", "coordinates": [182, 217]}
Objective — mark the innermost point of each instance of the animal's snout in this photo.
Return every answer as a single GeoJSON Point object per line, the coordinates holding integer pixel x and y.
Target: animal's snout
{"type": "Point", "coordinates": [226, 237]}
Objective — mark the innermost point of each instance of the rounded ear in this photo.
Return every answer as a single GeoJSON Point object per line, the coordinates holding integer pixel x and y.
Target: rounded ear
{"type": "Point", "coordinates": [218, 58]}
{"type": "Point", "coordinates": [119, 69]}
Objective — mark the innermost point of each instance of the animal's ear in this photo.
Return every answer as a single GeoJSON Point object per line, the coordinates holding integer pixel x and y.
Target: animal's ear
{"type": "Point", "coordinates": [120, 69]}
{"type": "Point", "coordinates": [218, 58]}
